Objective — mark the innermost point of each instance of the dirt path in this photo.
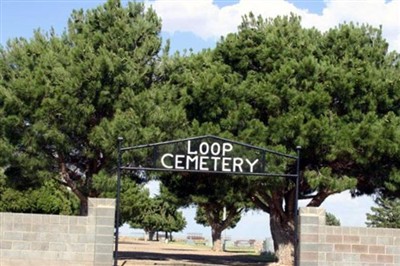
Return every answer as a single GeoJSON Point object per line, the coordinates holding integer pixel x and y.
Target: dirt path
{"type": "Point", "coordinates": [133, 252]}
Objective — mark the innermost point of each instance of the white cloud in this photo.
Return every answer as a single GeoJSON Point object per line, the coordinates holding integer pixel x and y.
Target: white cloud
{"type": "Point", "coordinates": [205, 19]}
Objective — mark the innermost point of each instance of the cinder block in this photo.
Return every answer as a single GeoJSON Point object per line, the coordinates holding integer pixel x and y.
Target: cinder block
{"type": "Point", "coordinates": [22, 227]}
{"type": "Point", "coordinates": [397, 259]}
{"type": "Point", "coordinates": [78, 257]}
{"type": "Point", "coordinates": [9, 235]}
{"type": "Point", "coordinates": [363, 231]}
{"type": "Point", "coordinates": [73, 220]}
{"type": "Point", "coordinates": [11, 254]}
{"type": "Point", "coordinates": [385, 258]}
{"type": "Point", "coordinates": [91, 220]}
{"type": "Point", "coordinates": [33, 236]}
{"type": "Point", "coordinates": [104, 230]}
{"type": "Point", "coordinates": [54, 219]}
{"type": "Point", "coordinates": [42, 246]}
{"type": "Point", "coordinates": [393, 250]}
{"type": "Point", "coordinates": [89, 248]}
{"type": "Point", "coordinates": [349, 257]}
{"type": "Point", "coordinates": [351, 239]}
{"type": "Point", "coordinates": [105, 212]}
{"type": "Point", "coordinates": [21, 245]}
{"type": "Point", "coordinates": [103, 258]}
{"type": "Point", "coordinates": [75, 247]}
{"type": "Point", "coordinates": [334, 239]}
{"type": "Point", "coordinates": [325, 247]}
{"type": "Point", "coordinates": [37, 219]}
{"type": "Point", "coordinates": [57, 246]}
{"type": "Point", "coordinates": [105, 249]}
{"type": "Point", "coordinates": [355, 231]}
{"type": "Point", "coordinates": [86, 238]}
{"type": "Point", "coordinates": [309, 229]}
{"type": "Point", "coordinates": [313, 220]}
{"type": "Point", "coordinates": [368, 240]}
{"type": "Point", "coordinates": [104, 240]}
{"type": "Point", "coordinates": [308, 247]}
{"type": "Point", "coordinates": [342, 248]}
{"type": "Point", "coordinates": [368, 258]}
{"type": "Point", "coordinates": [376, 249]}
{"type": "Point", "coordinates": [334, 257]}
{"type": "Point", "coordinates": [5, 244]}
{"type": "Point", "coordinates": [17, 218]}
{"type": "Point", "coordinates": [107, 221]}
{"type": "Point", "coordinates": [82, 221]}
{"type": "Point", "coordinates": [344, 230]}
{"type": "Point", "coordinates": [77, 229]}
{"type": "Point", "coordinates": [7, 226]}
{"type": "Point", "coordinates": [35, 239]}
{"type": "Point", "coordinates": [308, 238]}
{"type": "Point", "coordinates": [385, 240]}
{"type": "Point", "coordinates": [359, 248]}
{"type": "Point", "coordinates": [338, 230]}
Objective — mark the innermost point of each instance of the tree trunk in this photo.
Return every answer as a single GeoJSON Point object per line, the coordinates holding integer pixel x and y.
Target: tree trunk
{"type": "Point", "coordinates": [216, 232]}
{"type": "Point", "coordinates": [84, 206]}
{"type": "Point", "coordinates": [151, 235]}
{"type": "Point", "coordinates": [282, 231]}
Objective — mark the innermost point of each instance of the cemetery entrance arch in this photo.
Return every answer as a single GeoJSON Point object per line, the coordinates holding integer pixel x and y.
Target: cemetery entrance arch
{"type": "Point", "coordinates": [207, 154]}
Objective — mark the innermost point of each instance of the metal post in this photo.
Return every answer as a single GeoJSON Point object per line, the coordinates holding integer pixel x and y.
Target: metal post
{"type": "Point", "coordinates": [296, 212]}
{"type": "Point", "coordinates": [117, 211]}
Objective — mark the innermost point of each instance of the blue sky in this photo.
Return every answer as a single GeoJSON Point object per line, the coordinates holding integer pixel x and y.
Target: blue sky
{"type": "Point", "coordinates": [198, 24]}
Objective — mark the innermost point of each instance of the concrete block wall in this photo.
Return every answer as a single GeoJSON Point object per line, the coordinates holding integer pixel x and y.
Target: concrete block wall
{"type": "Point", "coordinates": [322, 245]}
{"type": "Point", "coordinates": [57, 240]}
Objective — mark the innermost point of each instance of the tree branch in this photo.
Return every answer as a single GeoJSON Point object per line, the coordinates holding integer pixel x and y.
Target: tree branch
{"type": "Point", "coordinates": [320, 197]}
{"type": "Point", "coordinates": [259, 202]}
{"type": "Point", "coordinates": [67, 180]}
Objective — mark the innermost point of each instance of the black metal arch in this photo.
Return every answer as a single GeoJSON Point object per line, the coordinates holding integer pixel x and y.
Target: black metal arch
{"type": "Point", "coordinates": [262, 171]}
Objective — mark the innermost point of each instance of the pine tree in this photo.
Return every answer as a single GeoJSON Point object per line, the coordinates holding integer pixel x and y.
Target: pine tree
{"type": "Point", "coordinates": [277, 85]}
{"type": "Point", "coordinates": [331, 219]}
{"type": "Point", "coordinates": [65, 99]}
{"type": "Point", "coordinates": [386, 214]}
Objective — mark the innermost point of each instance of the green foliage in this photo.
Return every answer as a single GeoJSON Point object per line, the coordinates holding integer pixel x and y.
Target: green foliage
{"type": "Point", "coordinates": [386, 214]}
{"type": "Point", "coordinates": [47, 199]}
{"type": "Point", "coordinates": [65, 98]}
{"type": "Point", "coordinates": [158, 214]}
{"type": "Point", "coordinates": [212, 193]}
{"type": "Point", "coordinates": [207, 216]}
{"type": "Point", "coordinates": [278, 85]}
{"type": "Point", "coordinates": [331, 219]}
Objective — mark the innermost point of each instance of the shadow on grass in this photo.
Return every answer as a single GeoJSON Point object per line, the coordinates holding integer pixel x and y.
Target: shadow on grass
{"type": "Point", "coordinates": [233, 259]}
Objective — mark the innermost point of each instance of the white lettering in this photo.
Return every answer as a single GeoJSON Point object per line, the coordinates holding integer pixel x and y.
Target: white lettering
{"type": "Point", "coordinates": [215, 159]}
{"type": "Point", "coordinates": [203, 163]}
{"type": "Point", "coordinates": [237, 164]}
{"type": "Point", "coordinates": [204, 148]}
{"type": "Point", "coordinates": [215, 149]}
{"type": "Point", "coordinates": [226, 147]}
{"type": "Point", "coordinates": [163, 160]}
{"type": "Point", "coordinates": [189, 150]}
{"type": "Point", "coordinates": [209, 157]}
{"type": "Point", "coordinates": [194, 159]}
{"type": "Point", "coordinates": [251, 164]}
{"type": "Point", "coordinates": [178, 161]}
{"type": "Point", "coordinates": [225, 164]}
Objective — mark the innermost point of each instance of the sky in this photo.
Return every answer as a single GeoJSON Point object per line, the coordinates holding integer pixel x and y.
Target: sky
{"type": "Point", "coordinates": [199, 24]}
